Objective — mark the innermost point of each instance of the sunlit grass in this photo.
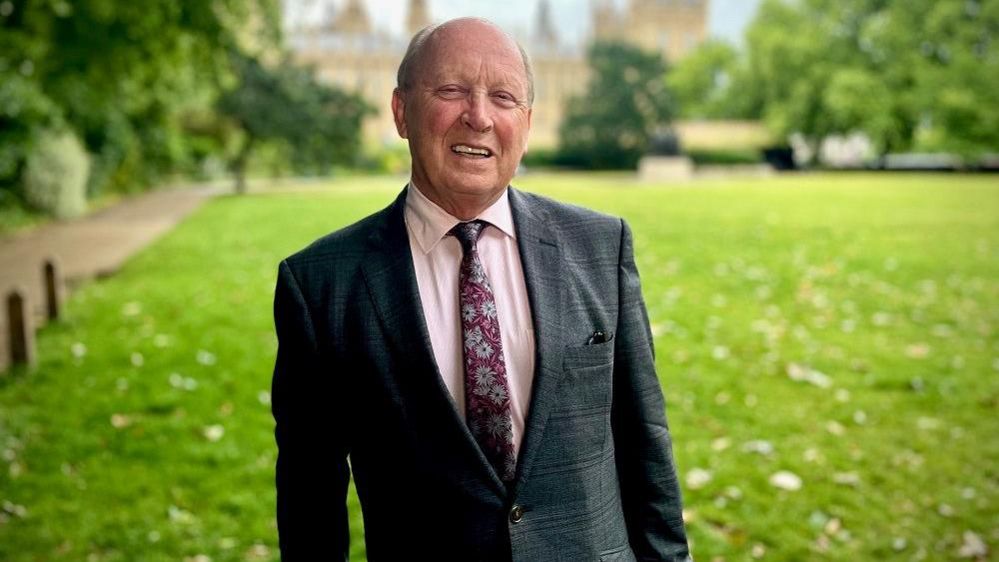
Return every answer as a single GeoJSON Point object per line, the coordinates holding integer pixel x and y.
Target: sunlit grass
{"type": "Point", "coordinates": [841, 328]}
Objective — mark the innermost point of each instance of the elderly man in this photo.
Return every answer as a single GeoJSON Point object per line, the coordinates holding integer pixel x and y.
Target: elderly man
{"type": "Point", "coordinates": [480, 355]}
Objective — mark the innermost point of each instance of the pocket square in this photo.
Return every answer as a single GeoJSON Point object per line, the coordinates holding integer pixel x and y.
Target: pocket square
{"type": "Point", "coordinates": [600, 337]}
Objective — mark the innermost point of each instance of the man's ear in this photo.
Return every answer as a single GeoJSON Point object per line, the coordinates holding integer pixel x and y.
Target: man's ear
{"type": "Point", "coordinates": [399, 112]}
{"type": "Point", "coordinates": [527, 133]}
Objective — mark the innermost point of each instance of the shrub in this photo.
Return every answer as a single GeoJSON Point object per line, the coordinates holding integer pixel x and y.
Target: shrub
{"type": "Point", "coordinates": [55, 175]}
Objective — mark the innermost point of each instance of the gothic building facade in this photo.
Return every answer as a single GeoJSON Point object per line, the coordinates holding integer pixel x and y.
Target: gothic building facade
{"type": "Point", "coordinates": [347, 50]}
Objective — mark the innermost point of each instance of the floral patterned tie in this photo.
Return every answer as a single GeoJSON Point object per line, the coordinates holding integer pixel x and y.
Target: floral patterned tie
{"type": "Point", "coordinates": [487, 392]}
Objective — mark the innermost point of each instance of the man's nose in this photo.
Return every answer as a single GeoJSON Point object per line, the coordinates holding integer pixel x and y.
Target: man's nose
{"type": "Point", "coordinates": [476, 115]}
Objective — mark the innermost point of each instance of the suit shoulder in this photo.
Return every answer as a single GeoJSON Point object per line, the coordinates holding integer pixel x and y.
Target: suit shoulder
{"type": "Point", "coordinates": [573, 219]}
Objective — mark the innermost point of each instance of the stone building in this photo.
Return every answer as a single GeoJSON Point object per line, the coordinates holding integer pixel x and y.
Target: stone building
{"type": "Point", "coordinates": [348, 51]}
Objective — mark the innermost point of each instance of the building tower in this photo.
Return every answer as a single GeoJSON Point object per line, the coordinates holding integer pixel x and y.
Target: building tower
{"type": "Point", "coordinates": [605, 20]}
{"type": "Point", "coordinates": [544, 32]}
{"type": "Point", "coordinates": [672, 27]}
{"type": "Point", "coordinates": [353, 20]}
{"type": "Point", "coordinates": [418, 16]}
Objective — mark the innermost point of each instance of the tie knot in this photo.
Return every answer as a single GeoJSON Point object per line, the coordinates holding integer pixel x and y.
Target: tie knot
{"type": "Point", "coordinates": [468, 233]}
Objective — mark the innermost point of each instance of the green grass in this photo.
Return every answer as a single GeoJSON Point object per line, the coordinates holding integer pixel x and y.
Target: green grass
{"type": "Point", "coordinates": [887, 285]}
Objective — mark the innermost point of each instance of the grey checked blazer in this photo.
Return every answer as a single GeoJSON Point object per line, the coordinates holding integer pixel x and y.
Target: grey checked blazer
{"type": "Point", "coordinates": [355, 379]}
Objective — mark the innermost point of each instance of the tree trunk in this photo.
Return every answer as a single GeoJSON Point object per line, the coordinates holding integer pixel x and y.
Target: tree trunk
{"type": "Point", "coordinates": [240, 162]}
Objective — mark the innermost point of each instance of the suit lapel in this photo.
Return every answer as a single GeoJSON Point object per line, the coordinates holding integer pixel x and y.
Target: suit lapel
{"type": "Point", "coordinates": [544, 266]}
{"type": "Point", "coordinates": [392, 286]}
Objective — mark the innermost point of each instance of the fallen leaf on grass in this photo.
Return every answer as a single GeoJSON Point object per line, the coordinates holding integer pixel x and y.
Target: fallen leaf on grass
{"type": "Point", "coordinates": [917, 350]}
{"type": "Point", "coordinates": [721, 443]}
{"type": "Point", "coordinates": [214, 432]}
{"type": "Point", "coordinates": [206, 358]}
{"type": "Point", "coordinates": [835, 428]}
{"type": "Point", "coordinates": [847, 478]}
{"type": "Point", "coordinates": [14, 509]}
{"type": "Point", "coordinates": [758, 446]}
{"type": "Point", "coordinates": [697, 478]}
{"type": "Point", "coordinates": [178, 515]}
{"type": "Point", "coordinates": [120, 421]}
{"type": "Point", "coordinates": [258, 552]}
{"type": "Point", "coordinates": [786, 480]}
{"type": "Point", "coordinates": [972, 547]}
{"type": "Point", "coordinates": [802, 373]}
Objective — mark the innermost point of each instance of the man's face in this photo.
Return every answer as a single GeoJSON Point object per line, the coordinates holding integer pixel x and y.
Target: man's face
{"type": "Point", "coordinates": [467, 114]}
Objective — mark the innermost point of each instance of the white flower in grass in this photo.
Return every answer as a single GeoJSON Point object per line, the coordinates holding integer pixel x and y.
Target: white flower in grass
{"type": "Point", "coordinates": [137, 359]}
{"type": "Point", "coordinates": [78, 350]}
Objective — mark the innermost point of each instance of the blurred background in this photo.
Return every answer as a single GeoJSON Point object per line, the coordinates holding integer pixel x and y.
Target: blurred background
{"type": "Point", "coordinates": [811, 185]}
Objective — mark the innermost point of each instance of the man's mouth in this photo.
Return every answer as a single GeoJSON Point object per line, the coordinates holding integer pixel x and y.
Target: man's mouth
{"type": "Point", "coordinates": [471, 151]}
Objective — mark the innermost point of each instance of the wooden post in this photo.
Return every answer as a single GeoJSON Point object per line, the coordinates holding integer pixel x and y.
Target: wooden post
{"type": "Point", "coordinates": [53, 289]}
{"type": "Point", "coordinates": [21, 328]}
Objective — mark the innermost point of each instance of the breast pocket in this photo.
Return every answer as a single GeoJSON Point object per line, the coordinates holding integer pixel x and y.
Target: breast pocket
{"type": "Point", "coordinates": [589, 373]}
{"type": "Point", "coordinates": [579, 424]}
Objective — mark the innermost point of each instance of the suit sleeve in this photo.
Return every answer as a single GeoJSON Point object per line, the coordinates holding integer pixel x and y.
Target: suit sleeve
{"type": "Point", "coordinates": [312, 472]}
{"type": "Point", "coordinates": [650, 492]}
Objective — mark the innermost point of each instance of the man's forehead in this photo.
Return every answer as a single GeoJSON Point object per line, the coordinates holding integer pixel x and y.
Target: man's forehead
{"type": "Point", "coordinates": [466, 54]}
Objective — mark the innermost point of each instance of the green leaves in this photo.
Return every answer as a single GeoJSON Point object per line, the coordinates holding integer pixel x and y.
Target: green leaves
{"type": "Point", "coordinates": [626, 102]}
{"type": "Point", "coordinates": [911, 75]}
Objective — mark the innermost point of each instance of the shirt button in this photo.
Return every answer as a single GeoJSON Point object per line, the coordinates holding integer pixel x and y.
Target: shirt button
{"type": "Point", "coordinates": [516, 514]}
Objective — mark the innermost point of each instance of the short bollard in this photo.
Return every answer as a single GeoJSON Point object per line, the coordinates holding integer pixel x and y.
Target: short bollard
{"type": "Point", "coordinates": [21, 329]}
{"type": "Point", "coordinates": [53, 289]}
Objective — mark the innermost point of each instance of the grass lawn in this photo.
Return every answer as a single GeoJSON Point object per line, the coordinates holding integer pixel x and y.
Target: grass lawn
{"type": "Point", "coordinates": [827, 344]}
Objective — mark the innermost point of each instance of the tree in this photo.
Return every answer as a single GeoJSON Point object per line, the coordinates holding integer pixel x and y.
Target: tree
{"type": "Point", "coordinates": [625, 104]}
{"type": "Point", "coordinates": [707, 83]}
{"type": "Point", "coordinates": [121, 75]}
{"type": "Point", "coordinates": [913, 74]}
{"type": "Point", "coordinates": [286, 103]}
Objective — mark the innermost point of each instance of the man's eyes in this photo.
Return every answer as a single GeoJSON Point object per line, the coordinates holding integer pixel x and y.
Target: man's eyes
{"type": "Point", "coordinates": [451, 91]}
{"type": "Point", "coordinates": [455, 92]}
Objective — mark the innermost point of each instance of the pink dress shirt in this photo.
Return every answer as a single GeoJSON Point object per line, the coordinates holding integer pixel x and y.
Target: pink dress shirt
{"type": "Point", "coordinates": [437, 258]}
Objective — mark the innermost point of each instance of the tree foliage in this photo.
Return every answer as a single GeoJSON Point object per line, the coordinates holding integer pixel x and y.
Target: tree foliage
{"type": "Point", "coordinates": [912, 74]}
{"type": "Point", "coordinates": [320, 123]}
{"type": "Point", "coordinates": [626, 102]}
{"type": "Point", "coordinates": [120, 74]}
{"type": "Point", "coordinates": [707, 83]}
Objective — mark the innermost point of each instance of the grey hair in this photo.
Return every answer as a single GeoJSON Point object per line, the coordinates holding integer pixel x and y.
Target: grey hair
{"type": "Point", "coordinates": [405, 77]}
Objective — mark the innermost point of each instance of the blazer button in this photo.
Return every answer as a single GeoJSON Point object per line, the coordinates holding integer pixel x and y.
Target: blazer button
{"type": "Point", "coordinates": [516, 514]}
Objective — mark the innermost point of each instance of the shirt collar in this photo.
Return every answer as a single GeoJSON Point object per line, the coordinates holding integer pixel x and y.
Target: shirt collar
{"type": "Point", "coordinates": [429, 223]}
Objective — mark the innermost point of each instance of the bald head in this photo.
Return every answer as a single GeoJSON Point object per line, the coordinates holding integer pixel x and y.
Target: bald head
{"type": "Point", "coordinates": [424, 40]}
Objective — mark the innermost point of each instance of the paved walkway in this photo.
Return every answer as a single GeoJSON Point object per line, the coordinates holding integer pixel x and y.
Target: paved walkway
{"type": "Point", "coordinates": [89, 247]}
